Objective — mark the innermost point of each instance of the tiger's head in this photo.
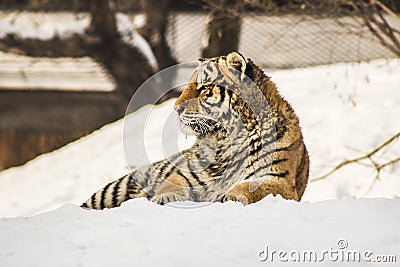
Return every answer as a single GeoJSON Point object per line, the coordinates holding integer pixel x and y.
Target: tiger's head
{"type": "Point", "coordinates": [210, 98]}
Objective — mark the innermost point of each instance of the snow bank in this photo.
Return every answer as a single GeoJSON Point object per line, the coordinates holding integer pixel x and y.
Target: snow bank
{"type": "Point", "coordinates": [141, 233]}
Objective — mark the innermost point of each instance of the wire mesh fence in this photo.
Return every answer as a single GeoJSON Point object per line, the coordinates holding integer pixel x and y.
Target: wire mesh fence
{"type": "Point", "coordinates": [284, 41]}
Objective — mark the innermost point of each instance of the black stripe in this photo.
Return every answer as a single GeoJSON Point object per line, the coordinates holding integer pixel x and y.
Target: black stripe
{"type": "Point", "coordinates": [185, 178]}
{"type": "Point", "coordinates": [302, 161]}
{"type": "Point", "coordinates": [129, 187]}
{"type": "Point", "coordinates": [267, 143]}
{"type": "Point", "coordinates": [163, 166]}
{"type": "Point", "coordinates": [103, 194]}
{"type": "Point", "coordinates": [254, 151]}
{"type": "Point", "coordinates": [266, 154]}
{"type": "Point", "coordinates": [178, 160]}
{"type": "Point", "coordinates": [222, 93]}
{"type": "Point", "coordinates": [218, 168]}
{"type": "Point", "coordinates": [280, 132]}
{"type": "Point", "coordinates": [173, 168]}
{"type": "Point", "coordinates": [190, 185]}
{"type": "Point", "coordinates": [243, 149]}
{"type": "Point", "coordinates": [197, 178]}
{"type": "Point", "coordinates": [230, 96]}
{"type": "Point", "coordinates": [273, 163]}
{"type": "Point", "coordinates": [209, 68]}
{"type": "Point", "coordinates": [249, 175]}
{"type": "Point", "coordinates": [115, 192]}
{"type": "Point", "coordinates": [93, 200]}
{"type": "Point", "coordinates": [252, 141]}
{"type": "Point", "coordinates": [212, 103]}
{"type": "Point", "coordinates": [280, 175]}
{"type": "Point", "coordinates": [276, 161]}
{"type": "Point", "coordinates": [172, 165]}
{"type": "Point", "coordinates": [206, 108]}
{"type": "Point", "coordinates": [265, 166]}
{"type": "Point", "coordinates": [289, 146]}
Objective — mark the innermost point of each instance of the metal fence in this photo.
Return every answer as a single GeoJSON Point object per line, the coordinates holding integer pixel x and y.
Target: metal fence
{"type": "Point", "coordinates": [284, 41]}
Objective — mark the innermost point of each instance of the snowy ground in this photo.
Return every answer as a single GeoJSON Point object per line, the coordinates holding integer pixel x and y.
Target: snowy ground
{"type": "Point", "coordinates": [141, 233]}
{"type": "Point", "coordinates": [345, 110]}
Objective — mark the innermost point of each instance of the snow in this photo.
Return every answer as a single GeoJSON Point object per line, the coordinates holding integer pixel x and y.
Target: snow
{"type": "Point", "coordinates": [139, 21]}
{"type": "Point", "coordinates": [41, 73]}
{"type": "Point", "coordinates": [45, 26]}
{"type": "Point", "coordinates": [132, 37]}
{"type": "Point", "coordinates": [344, 109]}
{"type": "Point", "coordinates": [141, 233]}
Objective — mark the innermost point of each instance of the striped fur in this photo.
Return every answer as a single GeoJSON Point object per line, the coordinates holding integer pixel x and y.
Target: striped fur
{"type": "Point", "coordinates": [249, 143]}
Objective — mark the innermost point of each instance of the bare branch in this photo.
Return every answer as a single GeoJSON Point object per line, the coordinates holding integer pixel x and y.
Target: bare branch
{"type": "Point", "coordinates": [389, 163]}
{"type": "Point", "coordinates": [378, 167]}
{"type": "Point", "coordinates": [387, 10]}
{"type": "Point", "coordinates": [382, 30]}
{"type": "Point", "coordinates": [387, 29]}
{"type": "Point", "coordinates": [223, 27]}
{"type": "Point", "coordinates": [103, 21]}
{"type": "Point", "coordinates": [373, 13]}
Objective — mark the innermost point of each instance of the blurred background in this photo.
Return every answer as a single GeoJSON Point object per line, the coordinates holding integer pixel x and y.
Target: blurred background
{"type": "Point", "coordinates": [68, 67]}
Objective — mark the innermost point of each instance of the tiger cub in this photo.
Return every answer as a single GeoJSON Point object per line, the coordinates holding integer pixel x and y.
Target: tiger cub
{"type": "Point", "coordinates": [249, 143]}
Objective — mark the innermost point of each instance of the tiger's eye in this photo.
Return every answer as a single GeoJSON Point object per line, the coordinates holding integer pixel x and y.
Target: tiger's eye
{"type": "Point", "coordinates": [203, 89]}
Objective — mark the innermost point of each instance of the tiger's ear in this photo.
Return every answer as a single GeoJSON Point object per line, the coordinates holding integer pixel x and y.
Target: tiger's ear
{"type": "Point", "coordinates": [236, 61]}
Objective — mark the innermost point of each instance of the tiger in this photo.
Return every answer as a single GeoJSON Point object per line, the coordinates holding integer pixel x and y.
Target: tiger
{"type": "Point", "coordinates": [249, 143]}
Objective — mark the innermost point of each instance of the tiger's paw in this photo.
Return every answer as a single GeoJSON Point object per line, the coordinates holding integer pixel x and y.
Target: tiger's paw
{"type": "Point", "coordinates": [167, 197]}
{"type": "Point", "coordinates": [236, 198]}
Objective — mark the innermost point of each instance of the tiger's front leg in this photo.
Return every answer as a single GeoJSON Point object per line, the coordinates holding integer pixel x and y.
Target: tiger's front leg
{"type": "Point", "coordinates": [243, 193]}
{"type": "Point", "coordinates": [172, 189]}
{"type": "Point", "coordinates": [236, 197]}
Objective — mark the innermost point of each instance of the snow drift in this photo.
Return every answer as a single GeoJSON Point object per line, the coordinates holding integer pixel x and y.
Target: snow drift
{"type": "Point", "coordinates": [141, 233]}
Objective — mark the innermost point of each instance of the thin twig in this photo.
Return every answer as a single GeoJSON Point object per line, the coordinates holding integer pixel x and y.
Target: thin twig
{"type": "Point", "coordinates": [366, 156]}
{"type": "Point", "coordinates": [387, 10]}
{"type": "Point", "coordinates": [384, 29]}
{"type": "Point", "coordinates": [389, 163]}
